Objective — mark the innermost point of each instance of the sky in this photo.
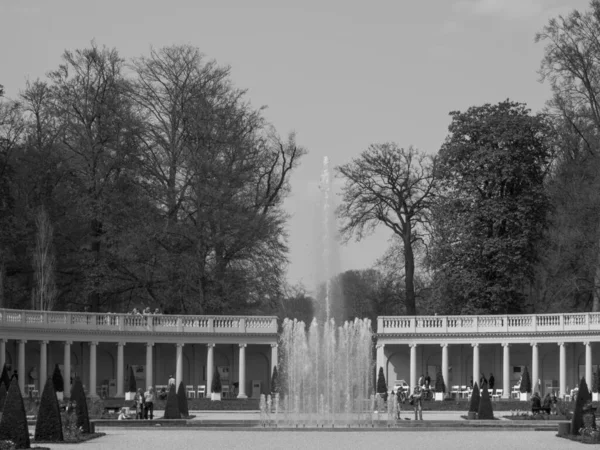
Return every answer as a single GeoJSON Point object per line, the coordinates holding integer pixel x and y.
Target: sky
{"type": "Point", "coordinates": [342, 74]}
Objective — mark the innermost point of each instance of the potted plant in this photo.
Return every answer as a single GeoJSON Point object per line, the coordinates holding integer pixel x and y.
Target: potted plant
{"type": "Point", "coordinates": [215, 387]}
{"type": "Point", "coordinates": [525, 385]}
{"type": "Point", "coordinates": [58, 383]}
{"type": "Point", "coordinates": [440, 386]}
{"type": "Point", "coordinates": [595, 385]}
{"type": "Point", "coordinates": [130, 395]}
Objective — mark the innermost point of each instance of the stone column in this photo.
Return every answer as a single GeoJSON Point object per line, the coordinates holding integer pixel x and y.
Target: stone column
{"type": "Point", "coordinates": [445, 365]}
{"type": "Point", "coordinates": [535, 371]}
{"type": "Point", "coordinates": [274, 358]}
{"type": "Point", "coordinates": [67, 369]}
{"type": "Point", "coordinates": [380, 359]}
{"type": "Point", "coordinates": [413, 366]}
{"type": "Point", "coordinates": [588, 364]}
{"type": "Point", "coordinates": [506, 388]}
{"type": "Point", "coordinates": [210, 367]}
{"type": "Point", "coordinates": [43, 365]}
{"type": "Point", "coordinates": [22, 367]}
{"type": "Point", "coordinates": [179, 365]}
{"type": "Point", "coordinates": [242, 375]}
{"type": "Point", "coordinates": [476, 372]}
{"type": "Point", "coordinates": [2, 353]}
{"type": "Point", "coordinates": [120, 369]}
{"type": "Point", "coordinates": [149, 365]}
{"type": "Point", "coordinates": [92, 386]}
{"type": "Point", "coordinates": [562, 373]}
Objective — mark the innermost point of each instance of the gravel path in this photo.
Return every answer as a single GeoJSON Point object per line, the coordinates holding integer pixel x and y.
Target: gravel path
{"type": "Point", "coordinates": [289, 440]}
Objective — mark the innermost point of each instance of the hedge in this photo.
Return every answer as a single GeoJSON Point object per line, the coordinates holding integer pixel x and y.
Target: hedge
{"type": "Point", "coordinates": [48, 426]}
{"type": "Point", "coordinates": [13, 425]}
{"type": "Point", "coordinates": [216, 383]}
{"type": "Point", "coordinates": [57, 380]}
{"type": "Point", "coordinates": [2, 396]}
{"type": "Point", "coordinates": [78, 396]}
{"type": "Point", "coordinates": [485, 411]}
{"type": "Point", "coordinates": [475, 397]}
{"type": "Point", "coordinates": [182, 400]}
{"type": "Point", "coordinates": [583, 397]}
{"type": "Point", "coordinates": [172, 406]}
{"type": "Point", "coordinates": [4, 378]}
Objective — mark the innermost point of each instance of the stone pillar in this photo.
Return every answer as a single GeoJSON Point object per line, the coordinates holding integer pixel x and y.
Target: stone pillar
{"type": "Point", "coordinates": [92, 387]}
{"type": "Point", "coordinates": [22, 367]}
{"type": "Point", "coordinates": [242, 375]}
{"type": "Point", "coordinates": [43, 365]}
{"type": "Point", "coordinates": [149, 365]}
{"type": "Point", "coordinates": [274, 358]}
{"type": "Point", "coordinates": [67, 369]}
{"type": "Point", "coordinates": [2, 353]}
{"type": "Point", "coordinates": [445, 365]}
{"type": "Point", "coordinates": [476, 372]}
{"type": "Point", "coordinates": [210, 367]}
{"type": "Point", "coordinates": [179, 365]}
{"type": "Point", "coordinates": [562, 373]}
{"type": "Point", "coordinates": [380, 360]}
{"type": "Point", "coordinates": [588, 364]}
{"type": "Point", "coordinates": [535, 368]}
{"type": "Point", "coordinates": [413, 366]}
{"type": "Point", "coordinates": [506, 388]}
{"type": "Point", "coordinates": [120, 369]}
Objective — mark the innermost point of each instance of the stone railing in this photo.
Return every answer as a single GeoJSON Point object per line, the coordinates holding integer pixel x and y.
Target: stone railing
{"type": "Point", "coordinates": [489, 324]}
{"type": "Point", "coordinates": [71, 321]}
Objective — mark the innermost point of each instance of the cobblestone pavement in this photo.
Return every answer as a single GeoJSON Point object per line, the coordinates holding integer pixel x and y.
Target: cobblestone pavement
{"type": "Point", "coordinates": [181, 439]}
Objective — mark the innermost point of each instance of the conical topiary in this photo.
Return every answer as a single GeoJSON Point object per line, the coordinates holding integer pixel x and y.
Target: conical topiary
{"type": "Point", "coordinates": [526, 382]}
{"type": "Point", "coordinates": [583, 396]}
{"type": "Point", "coordinates": [440, 385]}
{"type": "Point", "coordinates": [182, 400]}
{"type": "Point", "coordinates": [48, 426]}
{"type": "Point", "coordinates": [78, 396]}
{"type": "Point", "coordinates": [132, 383]}
{"type": "Point", "coordinates": [13, 425]}
{"type": "Point", "coordinates": [216, 383]}
{"type": "Point", "coordinates": [4, 378]}
{"type": "Point", "coordinates": [475, 397]}
{"type": "Point", "coordinates": [381, 386]}
{"type": "Point", "coordinates": [596, 381]}
{"type": "Point", "coordinates": [172, 406]}
{"type": "Point", "coordinates": [275, 381]}
{"type": "Point", "coordinates": [2, 396]}
{"type": "Point", "coordinates": [57, 380]}
{"type": "Point", "coordinates": [485, 411]}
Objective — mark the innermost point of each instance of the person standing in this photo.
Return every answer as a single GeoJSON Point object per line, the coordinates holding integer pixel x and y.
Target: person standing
{"type": "Point", "coordinates": [416, 400]}
{"type": "Point", "coordinates": [421, 380]}
{"type": "Point", "coordinates": [149, 399]}
{"type": "Point", "coordinates": [139, 404]}
{"type": "Point", "coordinates": [171, 381]}
{"type": "Point", "coordinates": [482, 380]}
{"type": "Point", "coordinates": [427, 380]}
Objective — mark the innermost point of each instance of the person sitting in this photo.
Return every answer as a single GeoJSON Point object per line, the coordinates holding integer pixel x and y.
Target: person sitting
{"type": "Point", "coordinates": [536, 404]}
{"type": "Point", "coordinates": [123, 414]}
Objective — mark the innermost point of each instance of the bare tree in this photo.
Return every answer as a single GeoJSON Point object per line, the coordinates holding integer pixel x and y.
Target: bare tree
{"type": "Point", "coordinates": [44, 263]}
{"type": "Point", "coordinates": [391, 186]}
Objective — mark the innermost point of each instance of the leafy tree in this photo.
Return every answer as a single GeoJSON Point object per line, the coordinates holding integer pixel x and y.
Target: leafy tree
{"type": "Point", "coordinates": [475, 398]}
{"type": "Point", "coordinates": [172, 406]}
{"type": "Point", "coordinates": [81, 409]}
{"type": "Point", "coordinates": [485, 410]}
{"type": "Point", "coordinates": [216, 383]}
{"type": "Point", "coordinates": [297, 304]}
{"type": "Point", "coordinates": [583, 397]}
{"type": "Point", "coordinates": [440, 385]}
{"type": "Point", "coordinates": [13, 424]}
{"type": "Point", "coordinates": [491, 209]}
{"type": "Point", "coordinates": [57, 380]}
{"type": "Point", "coordinates": [44, 263]}
{"type": "Point", "coordinates": [132, 382]}
{"type": "Point", "coordinates": [391, 186]}
{"type": "Point", "coordinates": [275, 381]}
{"type": "Point", "coordinates": [526, 382]}
{"type": "Point", "coordinates": [182, 402]}
{"type": "Point", "coordinates": [48, 426]}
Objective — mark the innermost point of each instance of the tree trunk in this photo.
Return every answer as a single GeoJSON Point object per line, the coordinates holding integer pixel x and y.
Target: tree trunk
{"type": "Point", "coordinates": [2, 275]}
{"type": "Point", "coordinates": [409, 269]}
{"type": "Point", "coordinates": [596, 295]}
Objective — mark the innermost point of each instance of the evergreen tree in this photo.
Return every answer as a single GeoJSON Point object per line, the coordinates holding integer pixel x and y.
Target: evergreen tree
{"type": "Point", "coordinates": [172, 406]}
{"type": "Point", "coordinates": [381, 385]}
{"type": "Point", "coordinates": [132, 383]}
{"type": "Point", "coordinates": [275, 381]}
{"type": "Point", "coordinates": [48, 426]}
{"type": "Point", "coordinates": [13, 425]}
{"type": "Point", "coordinates": [216, 383]}
{"type": "Point", "coordinates": [583, 397]}
{"type": "Point", "coordinates": [475, 398]}
{"type": "Point", "coordinates": [78, 395]}
{"type": "Point", "coordinates": [485, 410]}
{"type": "Point", "coordinates": [526, 382]}
{"type": "Point", "coordinates": [57, 380]}
{"type": "Point", "coordinates": [5, 379]}
{"type": "Point", "coordinates": [182, 400]}
{"type": "Point", "coordinates": [440, 385]}
{"type": "Point", "coordinates": [2, 396]}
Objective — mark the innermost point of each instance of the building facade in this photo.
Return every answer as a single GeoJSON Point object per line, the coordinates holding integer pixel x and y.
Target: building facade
{"type": "Point", "coordinates": [100, 348]}
{"type": "Point", "coordinates": [557, 349]}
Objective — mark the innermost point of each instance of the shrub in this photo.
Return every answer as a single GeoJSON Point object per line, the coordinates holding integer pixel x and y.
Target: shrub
{"type": "Point", "coordinates": [440, 386]}
{"type": "Point", "coordinates": [275, 381]}
{"type": "Point", "coordinates": [132, 383]}
{"type": "Point", "coordinates": [57, 380]}
{"type": "Point", "coordinates": [216, 383]}
{"type": "Point", "coordinates": [78, 396]}
{"type": "Point", "coordinates": [7, 445]}
{"type": "Point", "coordinates": [485, 411]}
{"type": "Point", "coordinates": [2, 396]}
{"type": "Point", "coordinates": [182, 400]}
{"type": "Point", "coordinates": [475, 397]}
{"type": "Point", "coordinates": [526, 382]}
{"type": "Point", "coordinates": [71, 432]}
{"type": "Point", "coordinates": [172, 406]}
{"type": "Point", "coordinates": [583, 396]}
{"type": "Point", "coordinates": [48, 426]}
{"type": "Point", "coordinates": [381, 386]}
{"type": "Point", "coordinates": [13, 425]}
{"type": "Point", "coordinates": [4, 378]}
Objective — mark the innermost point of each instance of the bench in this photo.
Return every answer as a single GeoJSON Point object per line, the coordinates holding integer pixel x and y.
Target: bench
{"type": "Point", "coordinates": [116, 405]}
